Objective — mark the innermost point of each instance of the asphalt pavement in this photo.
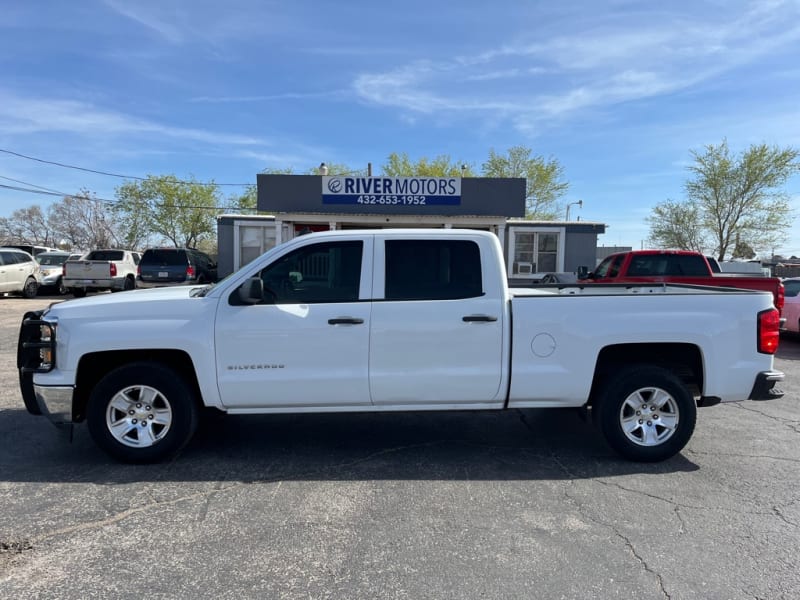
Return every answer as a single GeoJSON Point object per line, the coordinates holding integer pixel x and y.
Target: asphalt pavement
{"type": "Point", "coordinates": [517, 504]}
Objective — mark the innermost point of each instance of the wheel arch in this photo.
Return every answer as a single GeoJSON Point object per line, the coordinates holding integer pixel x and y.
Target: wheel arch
{"type": "Point", "coordinates": [94, 366]}
{"type": "Point", "coordinates": [682, 359]}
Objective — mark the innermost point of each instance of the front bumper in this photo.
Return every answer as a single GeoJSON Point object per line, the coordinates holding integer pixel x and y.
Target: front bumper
{"type": "Point", "coordinates": [55, 402]}
{"type": "Point", "coordinates": [764, 387]}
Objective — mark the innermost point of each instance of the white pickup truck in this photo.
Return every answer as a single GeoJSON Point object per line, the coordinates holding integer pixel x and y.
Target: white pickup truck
{"type": "Point", "coordinates": [98, 270]}
{"type": "Point", "coordinates": [395, 320]}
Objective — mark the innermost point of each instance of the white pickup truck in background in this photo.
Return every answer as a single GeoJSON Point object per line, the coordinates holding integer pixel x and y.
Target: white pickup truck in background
{"type": "Point", "coordinates": [98, 270]}
{"type": "Point", "coordinates": [395, 320]}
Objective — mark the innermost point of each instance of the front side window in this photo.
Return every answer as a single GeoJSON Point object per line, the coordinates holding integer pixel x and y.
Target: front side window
{"type": "Point", "coordinates": [432, 270]}
{"type": "Point", "coordinates": [319, 273]}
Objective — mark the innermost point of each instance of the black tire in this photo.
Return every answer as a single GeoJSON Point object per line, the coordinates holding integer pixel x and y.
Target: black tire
{"type": "Point", "coordinates": [665, 420]}
{"type": "Point", "coordinates": [60, 289]}
{"type": "Point", "coordinates": [78, 292]}
{"type": "Point", "coordinates": [130, 284]}
{"type": "Point", "coordinates": [168, 409]}
{"type": "Point", "coordinates": [31, 288]}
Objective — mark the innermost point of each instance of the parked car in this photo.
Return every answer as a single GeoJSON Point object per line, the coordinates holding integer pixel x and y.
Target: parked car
{"type": "Point", "coordinates": [175, 266]}
{"type": "Point", "coordinates": [791, 307]}
{"type": "Point", "coordinates": [108, 269]}
{"type": "Point", "coordinates": [31, 249]}
{"type": "Point", "coordinates": [51, 267]}
{"type": "Point", "coordinates": [19, 273]}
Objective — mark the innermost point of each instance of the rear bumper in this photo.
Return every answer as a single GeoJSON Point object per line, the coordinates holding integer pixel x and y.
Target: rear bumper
{"type": "Point", "coordinates": [764, 387]}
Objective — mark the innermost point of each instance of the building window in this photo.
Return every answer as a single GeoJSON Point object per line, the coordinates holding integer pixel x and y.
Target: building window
{"type": "Point", "coordinates": [254, 240]}
{"type": "Point", "coordinates": [534, 251]}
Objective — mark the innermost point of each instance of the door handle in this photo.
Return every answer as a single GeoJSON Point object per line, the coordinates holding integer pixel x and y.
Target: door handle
{"type": "Point", "coordinates": [345, 321]}
{"type": "Point", "coordinates": [479, 319]}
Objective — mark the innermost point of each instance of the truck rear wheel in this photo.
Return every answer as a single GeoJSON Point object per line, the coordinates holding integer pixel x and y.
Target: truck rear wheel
{"type": "Point", "coordinates": [142, 413]}
{"type": "Point", "coordinates": [646, 413]}
{"type": "Point", "coordinates": [78, 292]}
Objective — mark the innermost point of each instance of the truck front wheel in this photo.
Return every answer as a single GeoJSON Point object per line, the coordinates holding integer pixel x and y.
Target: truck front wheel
{"type": "Point", "coordinates": [646, 413]}
{"type": "Point", "coordinates": [142, 413]}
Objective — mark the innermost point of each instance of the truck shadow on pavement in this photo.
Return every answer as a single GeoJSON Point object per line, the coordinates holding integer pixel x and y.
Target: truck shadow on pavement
{"type": "Point", "coordinates": [533, 444]}
{"type": "Point", "coordinates": [789, 347]}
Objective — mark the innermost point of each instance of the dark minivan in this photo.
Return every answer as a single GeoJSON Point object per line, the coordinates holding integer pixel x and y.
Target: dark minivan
{"type": "Point", "coordinates": [175, 266]}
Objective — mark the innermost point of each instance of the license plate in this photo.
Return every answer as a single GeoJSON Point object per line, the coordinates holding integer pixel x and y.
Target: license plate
{"type": "Point", "coordinates": [163, 274]}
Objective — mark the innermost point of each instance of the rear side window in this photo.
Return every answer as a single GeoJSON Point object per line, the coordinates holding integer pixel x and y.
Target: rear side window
{"type": "Point", "coordinates": [691, 265]}
{"type": "Point", "coordinates": [432, 270]}
{"type": "Point", "coordinates": [164, 257]}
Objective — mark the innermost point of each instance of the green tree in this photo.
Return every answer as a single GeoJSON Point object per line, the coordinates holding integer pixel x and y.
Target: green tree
{"type": "Point", "coordinates": [738, 200]}
{"type": "Point", "coordinates": [400, 165]}
{"type": "Point", "coordinates": [677, 225]}
{"type": "Point", "coordinates": [545, 183]}
{"type": "Point", "coordinates": [182, 212]}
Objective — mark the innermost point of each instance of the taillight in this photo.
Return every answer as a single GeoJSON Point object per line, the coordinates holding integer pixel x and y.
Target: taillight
{"type": "Point", "coordinates": [190, 272]}
{"type": "Point", "coordinates": [113, 269]}
{"type": "Point", "coordinates": [139, 270]}
{"type": "Point", "coordinates": [64, 270]}
{"type": "Point", "coordinates": [768, 331]}
{"type": "Point", "coordinates": [781, 299]}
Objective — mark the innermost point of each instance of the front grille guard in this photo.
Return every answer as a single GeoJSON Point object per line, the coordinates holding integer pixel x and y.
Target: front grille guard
{"type": "Point", "coordinates": [29, 355]}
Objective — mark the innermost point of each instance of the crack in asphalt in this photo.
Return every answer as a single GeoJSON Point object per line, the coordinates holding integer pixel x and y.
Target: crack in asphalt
{"type": "Point", "coordinates": [677, 510]}
{"type": "Point", "coordinates": [792, 424]}
{"type": "Point", "coordinates": [218, 489]}
{"type": "Point", "coordinates": [777, 512]}
{"type": "Point", "coordinates": [628, 544]}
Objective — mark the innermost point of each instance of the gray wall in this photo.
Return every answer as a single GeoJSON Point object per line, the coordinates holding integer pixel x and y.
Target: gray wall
{"type": "Point", "coordinates": [480, 196]}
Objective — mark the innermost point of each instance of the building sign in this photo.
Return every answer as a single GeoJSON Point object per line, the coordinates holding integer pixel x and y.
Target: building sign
{"type": "Point", "coordinates": [392, 191]}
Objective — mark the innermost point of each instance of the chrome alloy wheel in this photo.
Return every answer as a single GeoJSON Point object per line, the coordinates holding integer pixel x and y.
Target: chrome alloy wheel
{"type": "Point", "coordinates": [649, 416]}
{"type": "Point", "coordinates": [139, 416]}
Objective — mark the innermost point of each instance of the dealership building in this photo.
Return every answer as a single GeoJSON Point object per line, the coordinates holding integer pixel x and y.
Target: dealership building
{"type": "Point", "coordinates": [299, 204]}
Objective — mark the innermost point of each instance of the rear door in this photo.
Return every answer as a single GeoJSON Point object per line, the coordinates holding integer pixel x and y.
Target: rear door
{"type": "Point", "coordinates": [306, 345]}
{"type": "Point", "coordinates": [437, 332]}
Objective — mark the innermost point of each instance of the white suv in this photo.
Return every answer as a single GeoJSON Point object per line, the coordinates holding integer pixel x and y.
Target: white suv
{"type": "Point", "coordinates": [19, 273]}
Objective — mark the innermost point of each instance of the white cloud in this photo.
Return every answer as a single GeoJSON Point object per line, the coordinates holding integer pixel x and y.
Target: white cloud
{"type": "Point", "coordinates": [34, 115]}
{"type": "Point", "coordinates": [619, 61]}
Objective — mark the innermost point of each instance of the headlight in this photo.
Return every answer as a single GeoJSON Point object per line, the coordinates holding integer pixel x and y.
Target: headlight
{"type": "Point", "coordinates": [47, 334]}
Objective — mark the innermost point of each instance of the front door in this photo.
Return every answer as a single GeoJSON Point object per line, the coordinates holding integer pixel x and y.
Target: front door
{"type": "Point", "coordinates": [306, 345]}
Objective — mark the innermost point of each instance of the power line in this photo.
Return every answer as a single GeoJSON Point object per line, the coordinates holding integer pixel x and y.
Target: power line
{"type": "Point", "coordinates": [106, 200]}
{"type": "Point", "coordinates": [108, 174]}
{"type": "Point", "coordinates": [30, 184]}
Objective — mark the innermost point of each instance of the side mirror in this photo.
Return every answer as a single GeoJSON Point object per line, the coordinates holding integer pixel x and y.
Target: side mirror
{"type": "Point", "coordinates": [583, 273]}
{"type": "Point", "coordinates": [251, 291]}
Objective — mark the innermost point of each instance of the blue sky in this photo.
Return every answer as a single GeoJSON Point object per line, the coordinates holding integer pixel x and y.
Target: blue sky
{"type": "Point", "coordinates": [618, 91]}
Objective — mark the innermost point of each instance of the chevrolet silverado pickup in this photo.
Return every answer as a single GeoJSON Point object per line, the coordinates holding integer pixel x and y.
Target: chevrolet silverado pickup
{"type": "Point", "coordinates": [395, 320]}
{"type": "Point", "coordinates": [678, 266]}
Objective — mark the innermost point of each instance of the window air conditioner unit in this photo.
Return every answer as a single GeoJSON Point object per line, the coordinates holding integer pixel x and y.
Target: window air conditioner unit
{"type": "Point", "coordinates": [524, 268]}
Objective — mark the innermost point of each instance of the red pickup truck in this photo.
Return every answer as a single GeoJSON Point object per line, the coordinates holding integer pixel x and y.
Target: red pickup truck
{"type": "Point", "coordinates": [677, 266]}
